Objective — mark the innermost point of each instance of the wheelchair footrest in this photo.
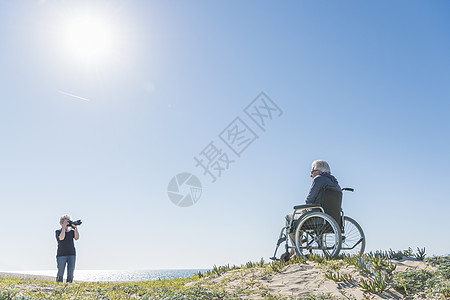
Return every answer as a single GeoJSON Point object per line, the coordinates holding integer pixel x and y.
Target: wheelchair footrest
{"type": "Point", "coordinates": [280, 240]}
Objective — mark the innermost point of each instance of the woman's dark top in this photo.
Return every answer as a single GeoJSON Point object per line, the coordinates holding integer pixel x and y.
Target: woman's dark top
{"type": "Point", "coordinates": [66, 247]}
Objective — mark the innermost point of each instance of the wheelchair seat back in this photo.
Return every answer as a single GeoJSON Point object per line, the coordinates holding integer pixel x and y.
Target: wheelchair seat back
{"type": "Point", "coordinates": [331, 203]}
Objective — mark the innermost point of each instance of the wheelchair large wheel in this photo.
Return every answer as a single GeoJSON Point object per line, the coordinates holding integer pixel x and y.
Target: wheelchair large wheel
{"type": "Point", "coordinates": [353, 239]}
{"type": "Point", "coordinates": [318, 233]}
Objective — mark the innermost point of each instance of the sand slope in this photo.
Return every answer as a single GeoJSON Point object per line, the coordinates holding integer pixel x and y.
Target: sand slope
{"type": "Point", "coordinates": [300, 280]}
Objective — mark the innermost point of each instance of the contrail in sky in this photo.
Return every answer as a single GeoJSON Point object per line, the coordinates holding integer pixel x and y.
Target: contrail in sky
{"type": "Point", "coordinates": [72, 95]}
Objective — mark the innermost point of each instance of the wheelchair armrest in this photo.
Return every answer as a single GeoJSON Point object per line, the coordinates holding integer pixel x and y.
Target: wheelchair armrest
{"type": "Point", "coordinates": [306, 206]}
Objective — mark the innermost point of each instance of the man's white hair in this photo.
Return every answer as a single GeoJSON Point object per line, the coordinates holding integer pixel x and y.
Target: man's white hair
{"type": "Point", "coordinates": [321, 165]}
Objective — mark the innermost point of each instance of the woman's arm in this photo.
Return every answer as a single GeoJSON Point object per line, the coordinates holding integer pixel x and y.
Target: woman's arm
{"type": "Point", "coordinates": [64, 225]}
{"type": "Point", "coordinates": [62, 235]}
{"type": "Point", "coordinates": [76, 233]}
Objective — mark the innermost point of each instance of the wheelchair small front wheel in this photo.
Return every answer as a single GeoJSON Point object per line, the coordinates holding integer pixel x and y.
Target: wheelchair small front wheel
{"type": "Point", "coordinates": [353, 239]}
{"type": "Point", "coordinates": [285, 257]}
{"type": "Point", "coordinates": [318, 233]}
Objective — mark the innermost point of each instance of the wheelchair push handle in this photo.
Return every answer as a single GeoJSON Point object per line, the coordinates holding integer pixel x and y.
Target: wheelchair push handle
{"type": "Point", "coordinates": [348, 189]}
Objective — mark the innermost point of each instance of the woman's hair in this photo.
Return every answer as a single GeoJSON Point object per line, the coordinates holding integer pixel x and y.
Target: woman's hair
{"type": "Point", "coordinates": [321, 165]}
{"type": "Point", "coordinates": [64, 217]}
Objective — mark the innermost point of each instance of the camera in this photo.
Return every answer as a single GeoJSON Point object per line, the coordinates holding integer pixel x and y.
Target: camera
{"type": "Point", "coordinates": [76, 223]}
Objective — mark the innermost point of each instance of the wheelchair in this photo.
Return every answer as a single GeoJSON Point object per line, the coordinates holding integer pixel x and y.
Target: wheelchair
{"type": "Point", "coordinates": [323, 229]}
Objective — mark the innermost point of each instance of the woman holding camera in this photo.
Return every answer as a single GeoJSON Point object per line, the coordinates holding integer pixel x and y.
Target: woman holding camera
{"type": "Point", "coordinates": [66, 253]}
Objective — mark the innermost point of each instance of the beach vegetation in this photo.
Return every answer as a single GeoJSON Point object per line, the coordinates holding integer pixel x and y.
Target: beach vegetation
{"type": "Point", "coordinates": [427, 283]}
{"type": "Point", "coordinates": [420, 255]}
{"type": "Point", "coordinates": [412, 281]}
{"type": "Point", "coordinates": [338, 277]}
{"type": "Point", "coordinates": [375, 285]}
{"type": "Point", "coordinates": [409, 252]}
{"type": "Point", "coordinates": [398, 255]}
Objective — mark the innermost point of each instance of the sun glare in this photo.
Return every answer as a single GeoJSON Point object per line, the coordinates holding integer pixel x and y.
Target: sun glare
{"type": "Point", "coordinates": [89, 39]}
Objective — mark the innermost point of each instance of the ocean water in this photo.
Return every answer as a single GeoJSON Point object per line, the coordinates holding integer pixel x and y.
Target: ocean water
{"type": "Point", "coordinates": [121, 275]}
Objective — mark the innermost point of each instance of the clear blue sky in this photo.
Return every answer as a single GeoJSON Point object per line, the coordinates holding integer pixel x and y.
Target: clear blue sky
{"type": "Point", "coordinates": [363, 85]}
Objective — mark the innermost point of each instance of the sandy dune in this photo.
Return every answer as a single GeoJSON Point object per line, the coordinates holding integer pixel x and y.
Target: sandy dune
{"type": "Point", "coordinates": [300, 280]}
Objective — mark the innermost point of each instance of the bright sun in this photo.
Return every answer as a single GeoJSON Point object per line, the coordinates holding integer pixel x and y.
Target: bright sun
{"type": "Point", "coordinates": [89, 39]}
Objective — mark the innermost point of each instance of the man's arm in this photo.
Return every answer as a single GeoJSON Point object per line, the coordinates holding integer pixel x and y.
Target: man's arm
{"type": "Point", "coordinates": [316, 186]}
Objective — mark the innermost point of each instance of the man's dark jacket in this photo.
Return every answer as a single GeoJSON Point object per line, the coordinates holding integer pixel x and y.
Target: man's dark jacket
{"type": "Point", "coordinates": [319, 182]}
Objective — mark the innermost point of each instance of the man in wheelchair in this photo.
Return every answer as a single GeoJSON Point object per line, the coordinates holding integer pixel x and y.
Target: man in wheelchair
{"type": "Point", "coordinates": [319, 226]}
